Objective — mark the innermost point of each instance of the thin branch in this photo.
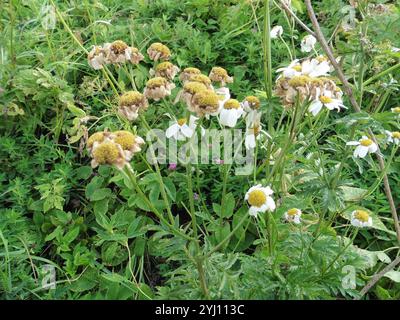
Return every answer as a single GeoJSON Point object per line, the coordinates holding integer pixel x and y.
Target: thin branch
{"type": "Point", "coordinates": [378, 276]}
{"type": "Point", "coordinates": [347, 89]}
{"type": "Point", "coordinates": [301, 23]}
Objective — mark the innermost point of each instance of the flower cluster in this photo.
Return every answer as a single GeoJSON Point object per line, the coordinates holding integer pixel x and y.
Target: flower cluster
{"type": "Point", "coordinates": [115, 52]}
{"type": "Point", "coordinates": [113, 148]}
{"type": "Point", "coordinates": [309, 81]}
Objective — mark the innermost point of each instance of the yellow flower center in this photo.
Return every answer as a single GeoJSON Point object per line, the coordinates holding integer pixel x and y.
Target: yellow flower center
{"type": "Point", "coordinates": [98, 136]}
{"type": "Point", "coordinates": [396, 134]}
{"type": "Point", "coordinates": [321, 59]}
{"type": "Point", "coordinates": [253, 101]}
{"type": "Point", "coordinates": [194, 87]}
{"type": "Point", "coordinates": [130, 98]}
{"type": "Point", "coordinates": [181, 121]}
{"type": "Point", "coordinates": [164, 66]}
{"type": "Point", "coordinates": [325, 99]}
{"type": "Point", "coordinates": [192, 70]}
{"type": "Point", "coordinates": [157, 46]}
{"type": "Point", "coordinates": [201, 78]}
{"type": "Point", "coordinates": [156, 82]}
{"type": "Point", "coordinates": [125, 139]}
{"type": "Point", "coordinates": [257, 198]}
{"type": "Point", "coordinates": [207, 98]}
{"type": "Point", "coordinates": [366, 142]}
{"type": "Point", "coordinates": [221, 72]}
{"type": "Point", "coordinates": [297, 68]}
{"type": "Point", "coordinates": [232, 104]}
{"type": "Point", "coordinates": [118, 46]}
{"type": "Point", "coordinates": [106, 152]}
{"type": "Point", "coordinates": [299, 81]}
{"type": "Point", "coordinates": [292, 212]}
{"type": "Point", "coordinates": [397, 109]}
{"type": "Point", "coordinates": [361, 215]}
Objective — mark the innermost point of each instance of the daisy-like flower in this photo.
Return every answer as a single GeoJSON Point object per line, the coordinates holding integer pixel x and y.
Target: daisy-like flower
{"type": "Point", "coordinates": [292, 70]}
{"type": "Point", "coordinates": [361, 219]}
{"type": "Point", "coordinates": [324, 99]}
{"type": "Point", "coordinates": [202, 78]}
{"type": "Point", "coordinates": [158, 51]}
{"type": "Point", "coordinates": [293, 215]}
{"type": "Point", "coordinates": [158, 88]}
{"type": "Point", "coordinates": [187, 73]}
{"type": "Point", "coordinates": [224, 95]}
{"type": "Point", "coordinates": [276, 32]}
{"type": "Point", "coordinates": [308, 43]}
{"type": "Point", "coordinates": [108, 153]}
{"type": "Point", "coordinates": [136, 56]}
{"type": "Point", "coordinates": [250, 105]}
{"type": "Point", "coordinates": [393, 137]}
{"type": "Point", "coordinates": [187, 93]}
{"type": "Point", "coordinates": [166, 70]}
{"type": "Point", "coordinates": [364, 146]}
{"type": "Point", "coordinates": [230, 113]}
{"type": "Point", "coordinates": [395, 110]}
{"type": "Point", "coordinates": [180, 130]}
{"type": "Point", "coordinates": [218, 74]}
{"type": "Point", "coordinates": [118, 52]}
{"type": "Point", "coordinates": [130, 103]}
{"type": "Point", "coordinates": [206, 103]}
{"type": "Point", "coordinates": [315, 67]}
{"type": "Point", "coordinates": [97, 58]}
{"type": "Point", "coordinates": [260, 200]}
{"type": "Point", "coordinates": [129, 143]}
{"type": "Point", "coordinates": [252, 134]}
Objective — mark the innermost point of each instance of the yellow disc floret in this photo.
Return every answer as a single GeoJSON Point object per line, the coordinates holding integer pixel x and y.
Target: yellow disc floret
{"type": "Point", "coordinates": [299, 81]}
{"type": "Point", "coordinates": [118, 46]}
{"type": "Point", "coordinates": [232, 104]}
{"type": "Point", "coordinates": [98, 136]}
{"type": "Point", "coordinates": [191, 70]}
{"type": "Point", "coordinates": [164, 66]}
{"type": "Point", "coordinates": [361, 215]}
{"type": "Point", "coordinates": [130, 98]}
{"type": "Point", "coordinates": [157, 46]}
{"type": "Point", "coordinates": [194, 87]}
{"type": "Point", "coordinates": [297, 68]}
{"type": "Point", "coordinates": [156, 82]}
{"type": "Point", "coordinates": [293, 211]}
{"type": "Point", "coordinates": [253, 101]}
{"type": "Point", "coordinates": [201, 78]}
{"type": "Point", "coordinates": [257, 198]}
{"type": "Point", "coordinates": [207, 98]}
{"type": "Point", "coordinates": [181, 121]}
{"type": "Point", "coordinates": [221, 72]}
{"type": "Point", "coordinates": [325, 99]}
{"type": "Point", "coordinates": [125, 139]}
{"type": "Point", "coordinates": [366, 142]}
{"type": "Point", "coordinates": [106, 152]}
{"type": "Point", "coordinates": [396, 134]}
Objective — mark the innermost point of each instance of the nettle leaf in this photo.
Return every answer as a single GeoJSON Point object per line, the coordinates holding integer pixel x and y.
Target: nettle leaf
{"type": "Point", "coordinates": [352, 194]}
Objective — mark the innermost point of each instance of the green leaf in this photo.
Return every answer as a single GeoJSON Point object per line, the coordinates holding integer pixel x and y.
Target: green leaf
{"type": "Point", "coordinates": [393, 275]}
{"type": "Point", "coordinates": [100, 194]}
{"type": "Point", "coordinates": [229, 205]}
{"type": "Point", "coordinates": [352, 194]}
{"type": "Point", "coordinates": [71, 235]}
{"type": "Point", "coordinates": [84, 172]}
{"type": "Point", "coordinates": [76, 111]}
{"type": "Point", "coordinates": [101, 207]}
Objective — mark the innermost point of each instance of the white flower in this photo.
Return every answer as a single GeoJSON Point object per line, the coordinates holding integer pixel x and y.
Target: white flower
{"type": "Point", "coordinates": [180, 130]}
{"type": "Point", "coordinates": [395, 110]}
{"type": "Point", "coordinates": [315, 67]}
{"type": "Point", "coordinates": [393, 137]}
{"type": "Point", "coordinates": [364, 146]}
{"type": "Point", "coordinates": [292, 70]}
{"type": "Point", "coordinates": [293, 215]}
{"type": "Point", "coordinates": [260, 200]}
{"type": "Point", "coordinates": [361, 219]}
{"type": "Point", "coordinates": [276, 32]}
{"type": "Point", "coordinates": [252, 134]}
{"type": "Point", "coordinates": [324, 99]}
{"type": "Point", "coordinates": [230, 113]}
{"type": "Point", "coordinates": [394, 49]}
{"type": "Point", "coordinates": [308, 43]}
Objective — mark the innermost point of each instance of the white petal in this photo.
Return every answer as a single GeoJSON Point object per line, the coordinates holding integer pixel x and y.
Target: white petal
{"type": "Point", "coordinates": [172, 130]}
